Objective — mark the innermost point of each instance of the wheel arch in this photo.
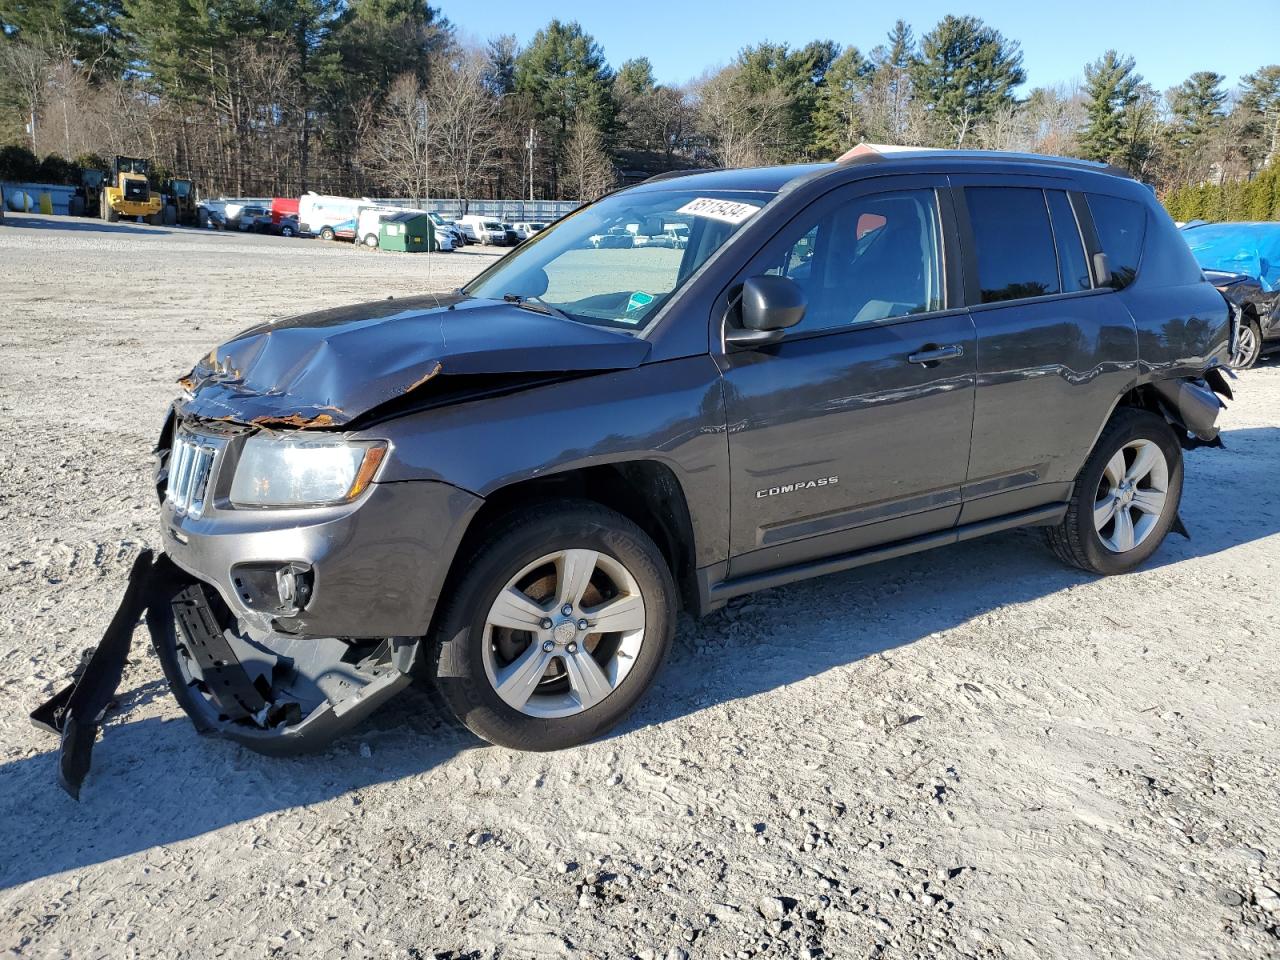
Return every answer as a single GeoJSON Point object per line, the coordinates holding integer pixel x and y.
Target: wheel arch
{"type": "Point", "coordinates": [647, 492]}
{"type": "Point", "coordinates": [1189, 405]}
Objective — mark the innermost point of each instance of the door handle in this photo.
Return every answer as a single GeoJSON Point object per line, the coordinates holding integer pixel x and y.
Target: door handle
{"type": "Point", "coordinates": [930, 354]}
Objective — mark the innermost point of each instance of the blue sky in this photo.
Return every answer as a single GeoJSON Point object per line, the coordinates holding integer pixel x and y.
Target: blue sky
{"type": "Point", "coordinates": [1169, 40]}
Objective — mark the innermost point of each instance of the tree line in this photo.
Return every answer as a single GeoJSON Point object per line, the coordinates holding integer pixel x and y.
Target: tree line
{"type": "Point", "coordinates": [381, 97]}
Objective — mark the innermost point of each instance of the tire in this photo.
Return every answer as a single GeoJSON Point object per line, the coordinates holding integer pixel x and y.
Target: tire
{"type": "Point", "coordinates": [1132, 434]}
{"type": "Point", "coordinates": [326, 233]}
{"type": "Point", "coordinates": [286, 231]}
{"type": "Point", "coordinates": [1248, 344]}
{"type": "Point", "coordinates": [470, 648]}
{"type": "Point", "coordinates": [370, 241]}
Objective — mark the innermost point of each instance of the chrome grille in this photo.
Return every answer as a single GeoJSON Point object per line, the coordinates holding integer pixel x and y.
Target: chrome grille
{"type": "Point", "coordinates": [191, 464]}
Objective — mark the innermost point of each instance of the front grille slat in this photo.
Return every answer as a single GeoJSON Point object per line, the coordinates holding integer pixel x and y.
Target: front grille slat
{"type": "Point", "coordinates": [191, 468]}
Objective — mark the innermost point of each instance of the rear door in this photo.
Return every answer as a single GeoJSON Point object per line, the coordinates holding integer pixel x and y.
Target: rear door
{"type": "Point", "coordinates": [1054, 348]}
{"type": "Point", "coordinates": [854, 430]}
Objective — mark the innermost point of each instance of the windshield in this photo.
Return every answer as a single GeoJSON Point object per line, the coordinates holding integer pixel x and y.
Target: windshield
{"type": "Point", "coordinates": [1248, 248]}
{"type": "Point", "coordinates": [599, 265]}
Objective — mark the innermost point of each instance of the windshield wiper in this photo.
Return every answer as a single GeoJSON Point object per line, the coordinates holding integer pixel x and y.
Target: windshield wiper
{"type": "Point", "coordinates": [537, 305]}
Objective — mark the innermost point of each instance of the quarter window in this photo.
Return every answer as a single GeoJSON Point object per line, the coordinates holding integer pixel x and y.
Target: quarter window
{"type": "Point", "coordinates": [1121, 226]}
{"type": "Point", "coordinates": [1015, 249]}
{"type": "Point", "coordinates": [871, 258]}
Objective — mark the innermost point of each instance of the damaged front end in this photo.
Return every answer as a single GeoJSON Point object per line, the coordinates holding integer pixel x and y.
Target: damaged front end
{"type": "Point", "coordinates": [272, 693]}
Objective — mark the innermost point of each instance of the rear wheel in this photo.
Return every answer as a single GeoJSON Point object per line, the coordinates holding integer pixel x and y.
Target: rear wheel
{"type": "Point", "coordinates": [556, 629]}
{"type": "Point", "coordinates": [1248, 344]}
{"type": "Point", "coordinates": [1126, 497]}
{"type": "Point", "coordinates": [326, 233]}
{"type": "Point", "coordinates": [370, 240]}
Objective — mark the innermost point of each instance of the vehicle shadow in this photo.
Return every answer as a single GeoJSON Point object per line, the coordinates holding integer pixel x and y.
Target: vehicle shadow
{"type": "Point", "coordinates": [156, 782]}
{"type": "Point", "coordinates": [78, 225]}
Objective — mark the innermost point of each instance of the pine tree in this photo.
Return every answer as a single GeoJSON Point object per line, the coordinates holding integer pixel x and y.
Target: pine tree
{"type": "Point", "coordinates": [564, 74]}
{"type": "Point", "coordinates": [841, 117]}
{"type": "Point", "coordinates": [965, 71]}
{"type": "Point", "coordinates": [1260, 110]}
{"type": "Point", "coordinates": [1111, 88]}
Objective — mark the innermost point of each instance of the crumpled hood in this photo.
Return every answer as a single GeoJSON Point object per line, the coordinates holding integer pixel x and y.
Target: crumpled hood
{"type": "Point", "coordinates": [1225, 278]}
{"type": "Point", "coordinates": [324, 369]}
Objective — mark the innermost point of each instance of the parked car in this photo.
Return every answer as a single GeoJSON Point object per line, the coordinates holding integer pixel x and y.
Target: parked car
{"type": "Point", "coordinates": [247, 217]}
{"type": "Point", "coordinates": [285, 226]}
{"type": "Point", "coordinates": [616, 237]}
{"type": "Point", "coordinates": [674, 236]}
{"type": "Point", "coordinates": [1243, 261]}
{"type": "Point", "coordinates": [345, 230]}
{"type": "Point", "coordinates": [526, 229]}
{"type": "Point", "coordinates": [484, 230]}
{"type": "Point", "coordinates": [513, 489]}
{"type": "Point", "coordinates": [456, 236]}
{"type": "Point", "coordinates": [511, 237]}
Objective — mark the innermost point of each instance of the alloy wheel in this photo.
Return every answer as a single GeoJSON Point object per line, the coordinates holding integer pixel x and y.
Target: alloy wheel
{"type": "Point", "coordinates": [1131, 495]}
{"type": "Point", "coordinates": [563, 634]}
{"type": "Point", "coordinates": [1246, 346]}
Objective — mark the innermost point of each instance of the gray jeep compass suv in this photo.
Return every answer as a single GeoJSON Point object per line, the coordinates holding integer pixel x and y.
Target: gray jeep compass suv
{"type": "Point", "coordinates": [513, 489]}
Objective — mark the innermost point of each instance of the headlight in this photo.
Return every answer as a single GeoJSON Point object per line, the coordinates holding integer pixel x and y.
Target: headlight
{"type": "Point", "coordinates": [295, 471]}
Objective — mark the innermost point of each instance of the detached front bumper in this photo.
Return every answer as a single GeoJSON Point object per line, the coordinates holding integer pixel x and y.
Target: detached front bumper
{"type": "Point", "coordinates": [286, 627]}
{"type": "Point", "coordinates": [278, 629]}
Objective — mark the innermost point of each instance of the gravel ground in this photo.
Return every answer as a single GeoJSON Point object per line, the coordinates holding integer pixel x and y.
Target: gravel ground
{"type": "Point", "coordinates": [967, 753]}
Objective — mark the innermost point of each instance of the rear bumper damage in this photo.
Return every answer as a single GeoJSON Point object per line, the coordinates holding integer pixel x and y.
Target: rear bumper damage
{"type": "Point", "coordinates": [274, 694]}
{"type": "Point", "coordinates": [1192, 405]}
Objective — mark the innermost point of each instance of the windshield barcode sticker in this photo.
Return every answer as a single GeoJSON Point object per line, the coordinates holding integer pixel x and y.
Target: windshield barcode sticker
{"type": "Point", "coordinates": [730, 211]}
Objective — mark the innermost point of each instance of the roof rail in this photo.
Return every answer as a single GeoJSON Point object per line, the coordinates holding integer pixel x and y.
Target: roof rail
{"type": "Point", "coordinates": [672, 174]}
{"type": "Point", "coordinates": [873, 151]}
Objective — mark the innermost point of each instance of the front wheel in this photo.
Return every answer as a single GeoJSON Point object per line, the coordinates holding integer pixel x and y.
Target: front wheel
{"type": "Point", "coordinates": [1126, 497]}
{"type": "Point", "coordinates": [1248, 344]}
{"type": "Point", "coordinates": [557, 627]}
{"type": "Point", "coordinates": [326, 233]}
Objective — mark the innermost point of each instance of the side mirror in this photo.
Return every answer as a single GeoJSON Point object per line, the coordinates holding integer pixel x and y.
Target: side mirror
{"type": "Point", "coordinates": [768, 305]}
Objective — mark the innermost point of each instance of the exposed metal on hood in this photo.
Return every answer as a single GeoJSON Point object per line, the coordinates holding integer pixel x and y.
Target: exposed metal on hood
{"type": "Point", "coordinates": [322, 370]}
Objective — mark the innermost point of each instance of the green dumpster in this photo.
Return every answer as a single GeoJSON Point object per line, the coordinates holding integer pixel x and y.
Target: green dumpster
{"type": "Point", "coordinates": [409, 232]}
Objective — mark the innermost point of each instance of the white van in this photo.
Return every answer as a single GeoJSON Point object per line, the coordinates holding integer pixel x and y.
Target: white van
{"type": "Point", "coordinates": [318, 214]}
{"type": "Point", "coordinates": [483, 229]}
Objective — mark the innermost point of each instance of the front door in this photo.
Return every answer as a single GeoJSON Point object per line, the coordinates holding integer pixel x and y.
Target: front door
{"type": "Point", "coordinates": [854, 430]}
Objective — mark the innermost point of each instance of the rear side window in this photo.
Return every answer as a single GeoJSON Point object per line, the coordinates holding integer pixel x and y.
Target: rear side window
{"type": "Point", "coordinates": [1072, 265]}
{"type": "Point", "coordinates": [1121, 225]}
{"type": "Point", "coordinates": [1016, 254]}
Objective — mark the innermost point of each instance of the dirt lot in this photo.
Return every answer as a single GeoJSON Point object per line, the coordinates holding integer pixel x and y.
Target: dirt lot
{"type": "Point", "coordinates": [968, 753]}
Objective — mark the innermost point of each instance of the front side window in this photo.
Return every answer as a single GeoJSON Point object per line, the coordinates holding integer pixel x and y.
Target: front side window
{"type": "Point", "coordinates": [872, 258]}
{"type": "Point", "coordinates": [591, 267]}
{"type": "Point", "coordinates": [1014, 241]}
{"type": "Point", "coordinates": [1121, 226]}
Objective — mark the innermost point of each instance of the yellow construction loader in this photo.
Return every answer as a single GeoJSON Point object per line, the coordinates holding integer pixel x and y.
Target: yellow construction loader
{"type": "Point", "coordinates": [129, 193]}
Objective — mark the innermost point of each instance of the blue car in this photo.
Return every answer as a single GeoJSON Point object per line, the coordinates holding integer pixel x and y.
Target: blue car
{"type": "Point", "coordinates": [1243, 261]}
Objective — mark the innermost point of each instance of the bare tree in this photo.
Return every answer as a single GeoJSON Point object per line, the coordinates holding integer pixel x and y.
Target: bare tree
{"type": "Point", "coordinates": [740, 124]}
{"type": "Point", "coordinates": [27, 68]}
{"type": "Point", "coordinates": [398, 148]}
{"type": "Point", "coordinates": [464, 112]}
{"type": "Point", "coordinates": [588, 171]}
